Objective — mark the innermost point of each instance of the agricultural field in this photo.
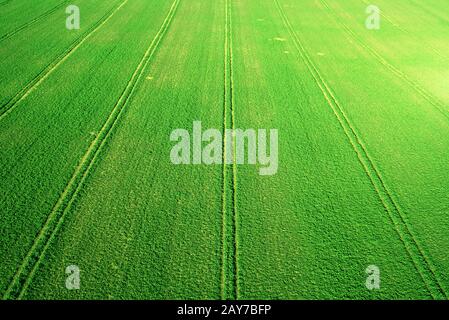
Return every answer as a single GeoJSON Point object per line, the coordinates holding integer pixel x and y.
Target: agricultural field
{"type": "Point", "coordinates": [226, 149]}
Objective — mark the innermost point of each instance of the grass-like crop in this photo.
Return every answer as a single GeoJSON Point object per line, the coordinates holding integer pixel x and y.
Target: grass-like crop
{"type": "Point", "coordinates": [86, 176]}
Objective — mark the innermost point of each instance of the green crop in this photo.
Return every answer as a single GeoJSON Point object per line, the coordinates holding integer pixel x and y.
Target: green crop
{"type": "Point", "coordinates": [362, 176]}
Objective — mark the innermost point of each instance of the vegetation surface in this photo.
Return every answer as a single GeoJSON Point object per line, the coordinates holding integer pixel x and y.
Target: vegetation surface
{"type": "Point", "coordinates": [86, 176]}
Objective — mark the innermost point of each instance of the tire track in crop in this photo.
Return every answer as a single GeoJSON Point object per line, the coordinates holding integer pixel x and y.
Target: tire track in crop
{"type": "Point", "coordinates": [234, 163]}
{"type": "Point", "coordinates": [229, 242]}
{"type": "Point", "coordinates": [395, 25]}
{"type": "Point", "coordinates": [12, 104]}
{"type": "Point", "coordinates": [223, 288]}
{"type": "Point", "coordinates": [428, 268]}
{"type": "Point", "coordinates": [415, 86]}
{"type": "Point", "coordinates": [55, 219]}
{"type": "Point", "coordinates": [414, 250]}
{"type": "Point", "coordinates": [32, 21]}
{"type": "Point", "coordinates": [423, 93]}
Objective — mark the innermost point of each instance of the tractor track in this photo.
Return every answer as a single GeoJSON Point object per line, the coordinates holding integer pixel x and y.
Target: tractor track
{"type": "Point", "coordinates": [32, 21]}
{"type": "Point", "coordinates": [415, 86]}
{"type": "Point", "coordinates": [24, 275]}
{"type": "Point", "coordinates": [395, 25]}
{"type": "Point", "coordinates": [414, 250]}
{"type": "Point", "coordinates": [229, 241]}
{"type": "Point", "coordinates": [33, 84]}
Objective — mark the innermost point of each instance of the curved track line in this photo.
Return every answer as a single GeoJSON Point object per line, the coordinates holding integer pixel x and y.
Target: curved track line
{"type": "Point", "coordinates": [31, 22]}
{"type": "Point", "coordinates": [397, 26]}
{"type": "Point", "coordinates": [415, 86]}
{"type": "Point", "coordinates": [47, 71]}
{"type": "Point", "coordinates": [413, 249]}
{"type": "Point", "coordinates": [55, 219]}
{"type": "Point", "coordinates": [401, 215]}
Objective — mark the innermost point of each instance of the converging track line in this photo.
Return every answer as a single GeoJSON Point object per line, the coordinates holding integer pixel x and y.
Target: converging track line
{"type": "Point", "coordinates": [24, 274]}
{"type": "Point", "coordinates": [415, 86]}
{"type": "Point", "coordinates": [47, 71]}
{"type": "Point", "coordinates": [431, 100]}
{"type": "Point", "coordinates": [413, 249]}
{"type": "Point", "coordinates": [395, 25]}
{"type": "Point", "coordinates": [234, 163]}
{"type": "Point", "coordinates": [31, 22]}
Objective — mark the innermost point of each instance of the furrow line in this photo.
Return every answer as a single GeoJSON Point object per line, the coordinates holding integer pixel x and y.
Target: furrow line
{"type": "Point", "coordinates": [412, 248]}
{"type": "Point", "coordinates": [229, 278]}
{"type": "Point", "coordinates": [5, 2]}
{"type": "Point", "coordinates": [430, 11]}
{"type": "Point", "coordinates": [224, 159]}
{"type": "Point", "coordinates": [32, 85]}
{"type": "Point", "coordinates": [31, 22]}
{"type": "Point", "coordinates": [415, 86]}
{"type": "Point", "coordinates": [234, 162]}
{"type": "Point", "coordinates": [55, 219]}
{"type": "Point", "coordinates": [403, 220]}
{"type": "Point", "coordinates": [395, 25]}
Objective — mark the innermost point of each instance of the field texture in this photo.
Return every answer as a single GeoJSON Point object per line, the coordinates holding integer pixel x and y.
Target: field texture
{"type": "Point", "coordinates": [87, 181]}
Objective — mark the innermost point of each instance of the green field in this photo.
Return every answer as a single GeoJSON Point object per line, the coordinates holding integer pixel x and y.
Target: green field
{"type": "Point", "coordinates": [87, 180]}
